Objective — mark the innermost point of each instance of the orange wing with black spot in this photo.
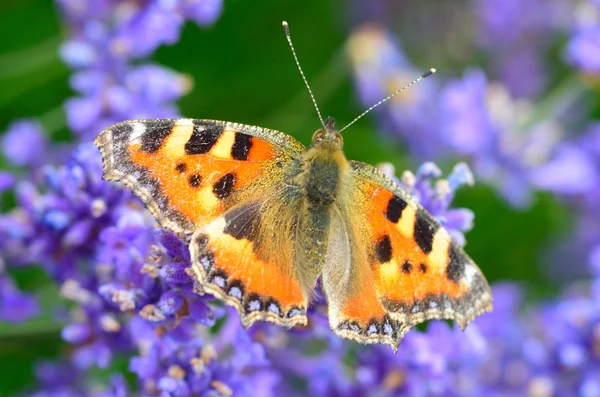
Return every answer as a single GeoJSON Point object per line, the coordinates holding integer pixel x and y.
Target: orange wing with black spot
{"type": "Point", "coordinates": [221, 182]}
{"type": "Point", "coordinates": [404, 267]}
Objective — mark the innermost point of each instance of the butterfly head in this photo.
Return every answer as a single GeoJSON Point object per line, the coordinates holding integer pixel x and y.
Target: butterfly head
{"type": "Point", "coordinates": [328, 134]}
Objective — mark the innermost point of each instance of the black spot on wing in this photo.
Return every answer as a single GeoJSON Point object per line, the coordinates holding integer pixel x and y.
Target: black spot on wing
{"type": "Point", "coordinates": [224, 186]}
{"type": "Point", "coordinates": [203, 138]}
{"type": "Point", "coordinates": [423, 268]}
{"type": "Point", "coordinates": [406, 267]}
{"type": "Point", "coordinates": [241, 146]}
{"type": "Point", "coordinates": [456, 265]}
{"type": "Point", "coordinates": [195, 180]}
{"type": "Point", "coordinates": [242, 222]}
{"type": "Point", "coordinates": [383, 249]}
{"type": "Point", "coordinates": [154, 135]}
{"type": "Point", "coordinates": [424, 231]}
{"type": "Point", "coordinates": [201, 241]}
{"type": "Point", "coordinates": [394, 209]}
{"type": "Point", "coordinates": [181, 167]}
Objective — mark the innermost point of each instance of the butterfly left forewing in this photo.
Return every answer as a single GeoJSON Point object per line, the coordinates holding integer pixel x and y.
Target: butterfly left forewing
{"type": "Point", "coordinates": [420, 272]}
{"type": "Point", "coordinates": [402, 265]}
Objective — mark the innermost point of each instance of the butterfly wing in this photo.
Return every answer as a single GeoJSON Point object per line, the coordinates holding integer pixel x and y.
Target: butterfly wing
{"type": "Point", "coordinates": [403, 267]}
{"type": "Point", "coordinates": [221, 182]}
{"type": "Point", "coordinates": [190, 171]}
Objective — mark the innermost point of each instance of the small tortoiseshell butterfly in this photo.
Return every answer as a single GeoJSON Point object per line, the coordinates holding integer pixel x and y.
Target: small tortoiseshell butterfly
{"type": "Point", "coordinates": [267, 217]}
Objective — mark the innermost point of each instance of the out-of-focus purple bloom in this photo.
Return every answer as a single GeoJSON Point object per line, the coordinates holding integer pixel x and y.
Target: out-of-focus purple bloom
{"type": "Point", "coordinates": [204, 12]}
{"type": "Point", "coordinates": [105, 39]}
{"type": "Point", "coordinates": [482, 121]}
{"type": "Point", "coordinates": [584, 43]}
{"type": "Point", "coordinates": [517, 36]}
{"type": "Point", "coordinates": [510, 22]}
{"type": "Point", "coordinates": [573, 173]}
{"type": "Point", "coordinates": [381, 68]}
{"type": "Point", "coordinates": [15, 306]}
{"type": "Point", "coordinates": [466, 117]}
{"type": "Point", "coordinates": [24, 143]}
{"type": "Point", "coordinates": [583, 50]}
{"type": "Point", "coordinates": [62, 380]}
{"type": "Point", "coordinates": [7, 181]}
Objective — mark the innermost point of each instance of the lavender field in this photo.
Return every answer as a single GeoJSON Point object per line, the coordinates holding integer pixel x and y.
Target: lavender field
{"type": "Point", "coordinates": [501, 146]}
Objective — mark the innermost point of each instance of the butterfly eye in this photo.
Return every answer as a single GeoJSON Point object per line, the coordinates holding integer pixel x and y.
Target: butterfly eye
{"type": "Point", "coordinates": [318, 136]}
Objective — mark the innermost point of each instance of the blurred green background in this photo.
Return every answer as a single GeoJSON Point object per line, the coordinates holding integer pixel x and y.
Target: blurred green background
{"type": "Point", "coordinates": [242, 70]}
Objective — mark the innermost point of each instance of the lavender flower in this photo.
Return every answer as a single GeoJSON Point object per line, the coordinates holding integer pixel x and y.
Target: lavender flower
{"type": "Point", "coordinates": [518, 36]}
{"type": "Point", "coordinates": [465, 117]}
{"type": "Point", "coordinates": [130, 292]}
{"type": "Point", "coordinates": [105, 39]}
{"type": "Point", "coordinates": [24, 143]}
{"type": "Point", "coordinates": [583, 50]}
{"type": "Point", "coordinates": [133, 296]}
{"type": "Point", "coordinates": [15, 306]}
{"type": "Point", "coordinates": [573, 173]}
{"type": "Point", "coordinates": [381, 68]}
{"type": "Point", "coordinates": [584, 43]}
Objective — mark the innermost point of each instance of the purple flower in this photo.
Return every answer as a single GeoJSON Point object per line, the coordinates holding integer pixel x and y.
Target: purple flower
{"type": "Point", "coordinates": [204, 12]}
{"type": "Point", "coordinates": [105, 39]}
{"type": "Point", "coordinates": [141, 30]}
{"type": "Point", "coordinates": [573, 173]}
{"type": "Point", "coordinates": [517, 36]}
{"type": "Point", "coordinates": [480, 120]}
{"type": "Point", "coordinates": [7, 181]}
{"type": "Point", "coordinates": [510, 22]}
{"type": "Point", "coordinates": [583, 50]}
{"type": "Point", "coordinates": [24, 143]}
{"type": "Point", "coordinates": [15, 306]}
{"type": "Point", "coordinates": [380, 68]}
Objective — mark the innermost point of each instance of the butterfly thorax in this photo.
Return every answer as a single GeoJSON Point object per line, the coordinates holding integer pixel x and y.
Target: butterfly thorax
{"type": "Point", "coordinates": [323, 167]}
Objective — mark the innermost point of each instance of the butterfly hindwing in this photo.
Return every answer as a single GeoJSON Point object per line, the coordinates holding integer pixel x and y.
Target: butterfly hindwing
{"type": "Point", "coordinates": [246, 258]}
{"type": "Point", "coordinates": [355, 308]}
{"type": "Point", "coordinates": [222, 183]}
{"type": "Point", "coordinates": [189, 171]}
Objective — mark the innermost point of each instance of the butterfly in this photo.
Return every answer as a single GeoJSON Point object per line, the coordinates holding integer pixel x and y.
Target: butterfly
{"type": "Point", "coordinates": [267, 217]}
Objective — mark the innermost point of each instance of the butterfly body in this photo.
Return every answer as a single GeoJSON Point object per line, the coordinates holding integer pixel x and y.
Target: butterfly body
{"type": "Point", "coordinates": [265, 217]}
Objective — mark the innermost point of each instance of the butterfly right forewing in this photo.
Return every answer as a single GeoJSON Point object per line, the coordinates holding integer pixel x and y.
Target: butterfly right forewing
{"type": "Point", "coordinates": [224, 184]}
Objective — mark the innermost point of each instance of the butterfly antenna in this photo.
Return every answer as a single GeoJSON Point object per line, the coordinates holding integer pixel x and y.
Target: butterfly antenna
{"type": "Point", "coordinates": [286, 28]}
{"type": "Point", "coordinates": [421, 77]}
